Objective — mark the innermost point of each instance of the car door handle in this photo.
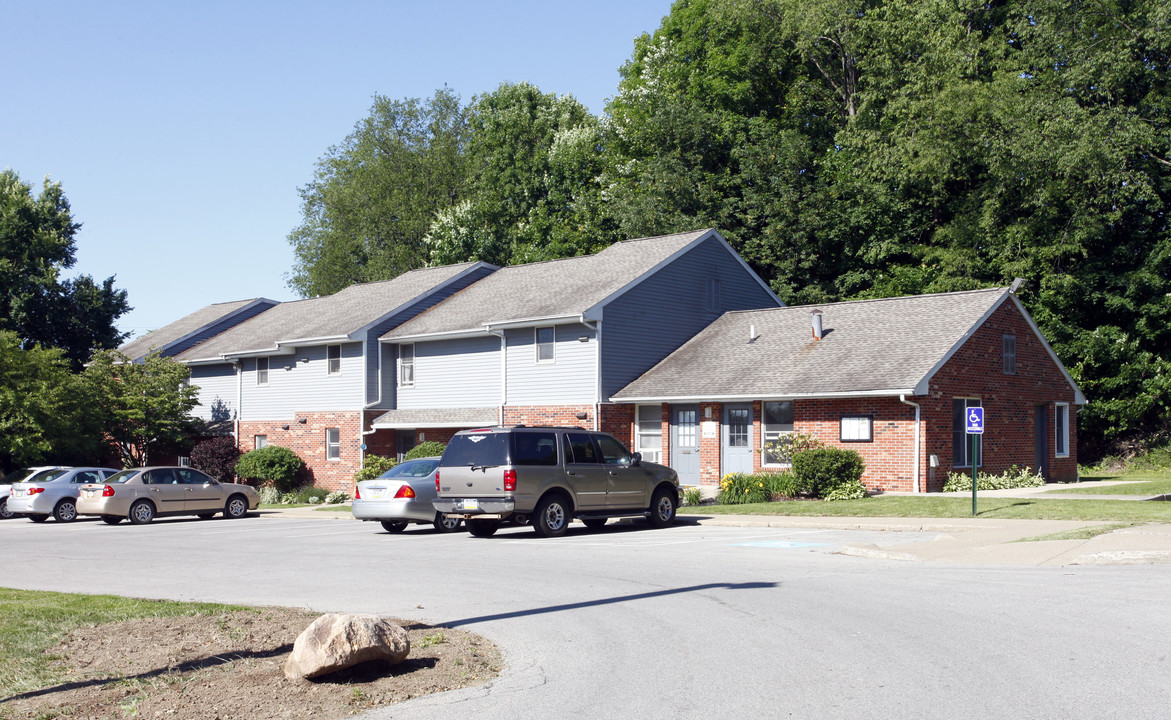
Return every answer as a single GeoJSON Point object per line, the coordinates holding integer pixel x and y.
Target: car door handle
{"type": "Point", "coordinates": [613, 472]}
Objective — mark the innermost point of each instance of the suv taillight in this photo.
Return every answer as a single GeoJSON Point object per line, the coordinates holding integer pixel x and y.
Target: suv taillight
{"type": "Point", "coordinates": [510, 480]}
{"type": "Point", "coordinates": [107, 491]}
{"type": "Point", "coordinates": [436, 481]}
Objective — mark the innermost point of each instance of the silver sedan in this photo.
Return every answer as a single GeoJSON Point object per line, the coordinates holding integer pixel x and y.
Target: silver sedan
{"type": "Point", "coordinates": [53, 493]}
{"type": "Point", "coordinates": [402, 495]}
{"type": "Point", "coordinates": [141, 494]}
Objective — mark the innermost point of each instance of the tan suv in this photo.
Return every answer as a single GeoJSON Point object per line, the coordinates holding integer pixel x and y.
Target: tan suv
{"type": "Point", "coordinates": [549, 475]}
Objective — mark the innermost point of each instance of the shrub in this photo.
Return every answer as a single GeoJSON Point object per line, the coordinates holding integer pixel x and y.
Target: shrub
{"type": "Point", "coordinates": [309, 495]}
{"type": "Point", "coordinates": [269, 495]}
{"type": "Point", "coordinates": [780, 485]}
{"type": "Point", "coordinates": [693, 496]}
{"type": "Point", "coordinates": [337, 498]}
{"type": "Point", "coordinates": [271, 464]}
{"type": "Point", "coordinates": [820, 470]}
{"type": "Point", "coordinates": [373, 466]}
{"type": "Point", "coordinates": [425, 449]}
{"type": "Point", "coordinates": [216, 457]}
{"type": "Point", "coordinates": [850, 490]}
{"type": "Point", "coordinates": [739, 488]}
{"type": "Point", "coordinates": [1014, 477]}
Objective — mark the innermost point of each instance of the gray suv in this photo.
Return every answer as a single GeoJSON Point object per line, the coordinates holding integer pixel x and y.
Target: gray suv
{"type": "Point", "coordinates": [549, 475]}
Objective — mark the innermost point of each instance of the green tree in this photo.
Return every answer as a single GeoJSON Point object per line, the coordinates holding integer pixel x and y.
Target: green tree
{"type": "Point", "coordinates": [37, 241]}
{"type": "Point", "coordinates": [142, 407]}
{"type": "Point", "coordinates": [374, 196]}
{"type": "Point", "coordinates": [42, 403]}
{"type": "Point", "coordinates": [531, 194]}
{"type": "Point", "coordinates": [271, 464]}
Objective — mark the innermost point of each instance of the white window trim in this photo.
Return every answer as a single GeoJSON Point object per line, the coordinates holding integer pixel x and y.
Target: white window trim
{"type": "Point", "coordinates": [267, 368]}
{"type": "Point", "coordinates": [537, 345]}
{"type": "Point", "coordinates": [1058, 410]}
{"type": "Point", "coordinates": [640, 430]}
{"type": "Point", "coordinates": [338, 445]}
{"type": "Point", "coordinates": [258, 443]}
{"type": "Point", "coordinates": [328, 369]}
{"type": "Point", "coordinates": [764, 434]}
{"type": "Point", "coordinates": [869, 428]}
{"type": "Point", "coordinates": [399, 365]}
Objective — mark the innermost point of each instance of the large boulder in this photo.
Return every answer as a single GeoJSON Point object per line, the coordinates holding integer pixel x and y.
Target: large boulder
{"type": "Point", "coordinates": [334, 642]}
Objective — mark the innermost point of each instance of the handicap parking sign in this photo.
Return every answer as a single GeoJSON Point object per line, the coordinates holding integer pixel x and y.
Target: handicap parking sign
{"type": "Point", "coordinates": [975, 423]}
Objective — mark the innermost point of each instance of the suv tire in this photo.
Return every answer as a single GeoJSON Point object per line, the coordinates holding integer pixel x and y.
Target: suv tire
{"type": "Point", "coordinates": [482, 528]}
{"type": "Point", "coordinates": [662, 508]}
{"type": "Point", "coordinates": [552, 516]}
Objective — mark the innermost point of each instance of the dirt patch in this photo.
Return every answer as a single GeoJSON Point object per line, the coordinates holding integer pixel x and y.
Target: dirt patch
{"type": "Point", "coordinates": [231, 666]}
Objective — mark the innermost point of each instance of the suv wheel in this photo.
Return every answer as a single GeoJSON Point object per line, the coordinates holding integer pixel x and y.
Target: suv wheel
{"type": "Point", "coordinates": [482, 528]}
{"type": "Point", "coordinates": [551, 518]}
{"type": "Point", "coordinates": [662, 508]}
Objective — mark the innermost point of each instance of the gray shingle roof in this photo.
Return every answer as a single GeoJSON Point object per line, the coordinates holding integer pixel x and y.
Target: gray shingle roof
{"type": "Point", "coordinates": [182, 328]}
{"type": "Point", "coordinates": [868, 346]}
{"type": "Point", "coordinates": [329, 316]}
{"type": "Point", "coordinates": [439, 417]}
{"type": "Point", "coordinates": [555, 288]}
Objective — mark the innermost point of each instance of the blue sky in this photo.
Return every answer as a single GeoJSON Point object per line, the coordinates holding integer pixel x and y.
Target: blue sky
{"type": "Point", "coordinates": [181, 131]}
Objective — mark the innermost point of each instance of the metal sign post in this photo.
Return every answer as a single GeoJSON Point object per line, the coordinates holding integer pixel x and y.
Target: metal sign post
{"type": "Point", "coordinates": [975, 428]}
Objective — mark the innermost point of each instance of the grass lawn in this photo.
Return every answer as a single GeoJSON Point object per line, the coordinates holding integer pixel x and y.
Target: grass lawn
{"type": "Point", "coordinates": [1143, 483]}
{"type": "Point", "coordinates": [31, 622]}
{"type": "Point", "coordinates": [952, 507]}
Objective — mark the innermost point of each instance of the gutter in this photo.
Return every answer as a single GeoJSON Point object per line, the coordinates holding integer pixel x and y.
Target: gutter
{"type": "Point", "coordinates": [918, 416]}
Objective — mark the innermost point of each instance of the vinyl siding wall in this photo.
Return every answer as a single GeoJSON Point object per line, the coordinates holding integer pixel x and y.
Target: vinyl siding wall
{"type": "Point", "coordinates": [217, 391]}
{"type": "Point", "coordinates": [569, 379]}
{"type": "Point", "coordinates": [304, 387]}
{"type": "Point", "coordinates": [454, 373]}
{"type": "Point", "coordinates": [652, 320]}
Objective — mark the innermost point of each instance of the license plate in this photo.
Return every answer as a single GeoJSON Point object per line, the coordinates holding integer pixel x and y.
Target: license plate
{"type": "Point", "coordinates": [377, 494]}
{"type": "Point", "coordinates": [89, 493]}
{"type": "Point", "coordinates": [471, 505]}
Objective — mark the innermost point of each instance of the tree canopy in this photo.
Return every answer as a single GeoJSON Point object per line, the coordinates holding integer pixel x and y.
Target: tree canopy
{"type": "Point", "coordinates": [866, 148]}
{"type": "Point", "coordinates": [36, 244]}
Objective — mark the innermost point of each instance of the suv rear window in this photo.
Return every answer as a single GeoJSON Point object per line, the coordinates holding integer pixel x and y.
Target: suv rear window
{"type": "Point", "coordinates": [476, 449]}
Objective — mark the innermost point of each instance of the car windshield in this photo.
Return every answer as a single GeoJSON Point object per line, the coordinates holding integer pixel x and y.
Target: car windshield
{"type": "Point", "coordinates": [15, 476]}
{"type": "Point", "coordinates": [121, 477]}
{"type": "Point", "coordinates": [45, 476]}
{"type": "Point", "coordinates": [412, 468]}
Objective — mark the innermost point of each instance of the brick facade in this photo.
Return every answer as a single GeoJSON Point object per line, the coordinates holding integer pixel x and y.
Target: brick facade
{"type": "Point", "coordinates": [1010, 404]}
{"type": "Point", "coordinates": [307, 440]}
{"type": "Point", "coordinates": [560, 415]}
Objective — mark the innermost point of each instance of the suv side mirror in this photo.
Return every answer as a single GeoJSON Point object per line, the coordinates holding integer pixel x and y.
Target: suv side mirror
{"type": "Point", "coordinates": [636, 459]}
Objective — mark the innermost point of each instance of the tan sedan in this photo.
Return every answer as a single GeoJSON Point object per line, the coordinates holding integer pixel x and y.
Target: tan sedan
{"type": "Point", "coordinates": [142, 494]}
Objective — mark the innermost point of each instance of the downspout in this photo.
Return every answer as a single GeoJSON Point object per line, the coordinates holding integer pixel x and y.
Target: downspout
{"type": "Point", "coordinates": [503, 374]}
{"type": "Point", "coordinates": [239, 400]}
{"type": "Point", "coordinates": [597, 369]}
{"type": "Point", "coordinates": [918, 410]}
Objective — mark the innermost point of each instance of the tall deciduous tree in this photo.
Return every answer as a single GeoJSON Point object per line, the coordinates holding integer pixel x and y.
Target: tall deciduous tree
{"type": "Point", "coordinates": [37, 241]}
{"type": "Point", "coordinates": [374, 196]}
{"type": "Point", "coordinates": [143, 407]}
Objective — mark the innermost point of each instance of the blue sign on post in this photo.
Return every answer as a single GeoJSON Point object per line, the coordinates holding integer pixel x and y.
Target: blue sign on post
{"type": "Point", "coordinates": [975, 421]}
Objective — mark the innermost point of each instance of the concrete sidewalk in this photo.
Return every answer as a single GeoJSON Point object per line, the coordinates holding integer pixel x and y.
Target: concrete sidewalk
{"type": "Point", "coordinates": [979, 541]}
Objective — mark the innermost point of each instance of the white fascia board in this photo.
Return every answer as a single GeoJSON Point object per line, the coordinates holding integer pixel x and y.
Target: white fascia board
{"type": "Point", "coordinates": [923, 386]}
{"type": "Point", "coordinates": [258, 352]}
{"type": "Point", "coordinates": [595, 312]}
{"type": "Point", "coordinates": [534, 322]}
{"type": "Point", "coordinates": [424, 337]}
{"type": "Point", "coordinates": [313, 341]}
{"type": "Point", "coordinates": [893, 392]}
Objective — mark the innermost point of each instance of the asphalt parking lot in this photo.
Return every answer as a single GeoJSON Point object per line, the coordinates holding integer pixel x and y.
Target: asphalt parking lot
{"type": "Point", "coordinates": [689, 621]}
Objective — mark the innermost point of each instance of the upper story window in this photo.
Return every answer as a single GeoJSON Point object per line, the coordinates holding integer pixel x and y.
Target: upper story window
{"type": "Point", "coordinates": [1061, 429]}
{"type": "Point", "coordinates": [261, 371]}
{"type": "Point", "coordinates": [711, 301]}
{"type": "Point", "coordinates": [333, 357]}
{"type": "Point", "coordinates": [546, 338]}
{"type": "Point", "coordinates": [1008, 354]}
{"type": "Point", "coordinates": [406, 365]}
